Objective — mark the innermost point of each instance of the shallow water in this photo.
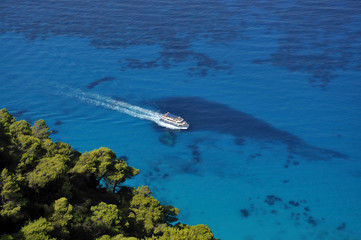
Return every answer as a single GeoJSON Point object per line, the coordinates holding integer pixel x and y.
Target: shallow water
{"type": "Point", "coordinates": [271, 92]}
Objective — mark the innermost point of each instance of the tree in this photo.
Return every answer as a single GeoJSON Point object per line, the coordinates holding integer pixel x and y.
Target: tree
{"type": "Point", "coordinates": [6, 119]}
{"type": "Point", "coordinates": [40, 130]}
{"type": "Point", "coordinates": [39, 179]}
{"type": "Point", "coordinates": [146, 213]}
{"type": "Point", "coordinates": [6, 237]}
{"type": "Point", "coordinates": [12, 200]}
{"type": "Point", "coordinates": [118, 172]}
{"type": "Point", "coordinates": [106, 218]}
{"type": "Point", "coordinates": [63, 213]}
{"type": "Point", "coordinates": [116, 237]}
{"type": "Point", "coordinates": [48, 170]}
{"type": "Point", "coordinates": [30, 150]}
{"type": "Point", "coordinates": [185, 232]}
{"type": "Point", "coordinates": [21, 127]}
{"type": "Point", "coordinates": [95, 163]}
{"type": "Point", "coordinates": [103, 163]}
{"type": "Point", "coordinates": [170, 214]}
{"type": "Point", "coordinates": [38, 230]}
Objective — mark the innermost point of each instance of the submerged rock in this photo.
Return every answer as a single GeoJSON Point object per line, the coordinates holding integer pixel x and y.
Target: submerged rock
{"type": "Point", "coordinates": [20, 113]}
{"type": "Point", "coordinates": [272, 199]}
{"type": "Point", "coordinates": [312, 221]}
{"type": "Point", "coordinates": [195, 153]}
{"type": "Point", "coordinates": [341, 227]}
{"type": "Point", "coordinates": [244, 213]}
{"type": "Point", "coordinates": [167, 138]}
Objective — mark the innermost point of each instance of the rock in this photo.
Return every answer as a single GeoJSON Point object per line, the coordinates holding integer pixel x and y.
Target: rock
{"type": "Point", "coordinates": [244, 213]}
{"type": "Point", "coordinates": [167, 138]}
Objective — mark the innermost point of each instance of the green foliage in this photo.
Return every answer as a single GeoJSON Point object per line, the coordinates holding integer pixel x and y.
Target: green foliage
{"type": "Point", "coordinates": [5, 118]}
{"type": "Point", "coordinates": [185, 232]}
{"type": "Point", "coordinates": [106, 218]}
{"type": "Point", "coordinates": [60, 188]}
{"type": "Point", "coordinates": [116, 237]}
{"type": "Point", "coordinates": [40, 130]}
{"type": "Point", "coordinates": [104, 237]}
{"type": "Point", "coordinates": [48, 170]}
{"type": "Point", "coordinates": [5, 121]}
{"type": "Point", "coordinates": [103, 163]}
{"type": "Point", "coordinates": [63, 212]}
{"type": "Point", "coordinates": [171, 213]}
{"type": "Point", "coordinates": [6, 237]}
{"type": "Point", "coordinates": [31, 150]}
{"type": "Point", "coordinates": [38, 230]}
{"type": "Point", "coordinates": [147, 214]}
{"type": "Point", "coordinates": [118, 172]}
{"type": "Point", "coordinates": [61, 148]}
{"type": "Point", "coordinates": [95, 163]}
{"type": "Point", "coordinates": [11, 197]}
{"type": "Point", "coordinates": [21, 127]}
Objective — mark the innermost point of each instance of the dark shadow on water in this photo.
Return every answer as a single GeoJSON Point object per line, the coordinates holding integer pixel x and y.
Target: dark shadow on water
{"type": "Point", "coordinates": [97, 82]}
{"type": "Point", "coordinates": [203, 115]}
{"type": "Point", "coordinates": [196, 154]}
{"type": "Point", "coordinates": [19, 113]}
{"type": "Point", "coordinates": [167, 138]}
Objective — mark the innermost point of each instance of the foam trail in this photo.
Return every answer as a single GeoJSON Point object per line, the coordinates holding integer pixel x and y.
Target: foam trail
{"type": "Point", "coordinates": [120, 106]}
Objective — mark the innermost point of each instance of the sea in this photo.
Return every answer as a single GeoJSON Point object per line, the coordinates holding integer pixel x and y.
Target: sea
{"type": "Point", "coordinates": [271, 90]}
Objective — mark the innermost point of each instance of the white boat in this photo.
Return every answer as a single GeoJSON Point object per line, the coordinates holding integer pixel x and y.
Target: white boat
{"type": "Point", "coordinates": [173, 121]}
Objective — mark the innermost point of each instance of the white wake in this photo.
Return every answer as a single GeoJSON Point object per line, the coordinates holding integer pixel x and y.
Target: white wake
{"type": "Point", "coordinates": [120, 106]}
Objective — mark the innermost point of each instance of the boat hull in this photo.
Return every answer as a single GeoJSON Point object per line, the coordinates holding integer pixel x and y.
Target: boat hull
{"type": "Point", "coordinates": [169, 125]}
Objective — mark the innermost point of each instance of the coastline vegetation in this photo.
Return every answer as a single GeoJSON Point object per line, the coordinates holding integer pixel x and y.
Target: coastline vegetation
{"type": "Point", "coordinates": [50, 191]}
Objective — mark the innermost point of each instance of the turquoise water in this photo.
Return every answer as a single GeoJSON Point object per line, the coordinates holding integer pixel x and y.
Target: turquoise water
{"type": "Point", "coordinates": [271, 92]}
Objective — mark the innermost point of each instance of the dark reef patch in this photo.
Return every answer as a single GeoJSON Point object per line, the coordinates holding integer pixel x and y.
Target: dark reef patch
{"type": "Point", "coordinates": [317, 38]}
{"type": "Point", "coordinates": [272, 199]}
{"type": "Point", "coordinates": [328, 41]}
{"type": "Point", "coordinates": [172, 26]}
{"type": "Point", "coordinates": [19, 113]}
{"type": "Point", "coordinates": [189, 168]}
{"type": "Point", "coordinates": [239, 141]}
{"type": "Point", "coordinates": [125, 158]}
{"type": "Point", "coordinates": [244, 213]}
{"type": "Point", "coordinates": [254, 156]}
{"type": "Point", "coordinates": [97, 82]}
{"type": "Point", "coordinates": [341, 227]}
{"type": "Point", "coordinates": [293, 211]}
{"type": "Point", "coordinates": [171, 58]}
{"type": "Point", "coordinates": [203, 115]}
{"type": "Point", "coordinates": [167, 138]}
{"type": "Point", "coordinates": [196, 155]}
{"type": "Point", "coordinates": [290, 160]}
{"type": "Point", "coordinates": [58, 123]}
{"type": "Point", "coordinates": [312, 221]}
{"type": "Point", "coordinates": [294, 203]}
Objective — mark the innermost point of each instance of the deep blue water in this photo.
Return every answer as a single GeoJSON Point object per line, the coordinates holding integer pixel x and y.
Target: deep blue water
{"type": "Point", "coordinates": [271, 91]}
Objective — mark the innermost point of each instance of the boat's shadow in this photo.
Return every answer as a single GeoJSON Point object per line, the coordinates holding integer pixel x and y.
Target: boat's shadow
{"type": "Point", "coordinates": [203, 115]}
